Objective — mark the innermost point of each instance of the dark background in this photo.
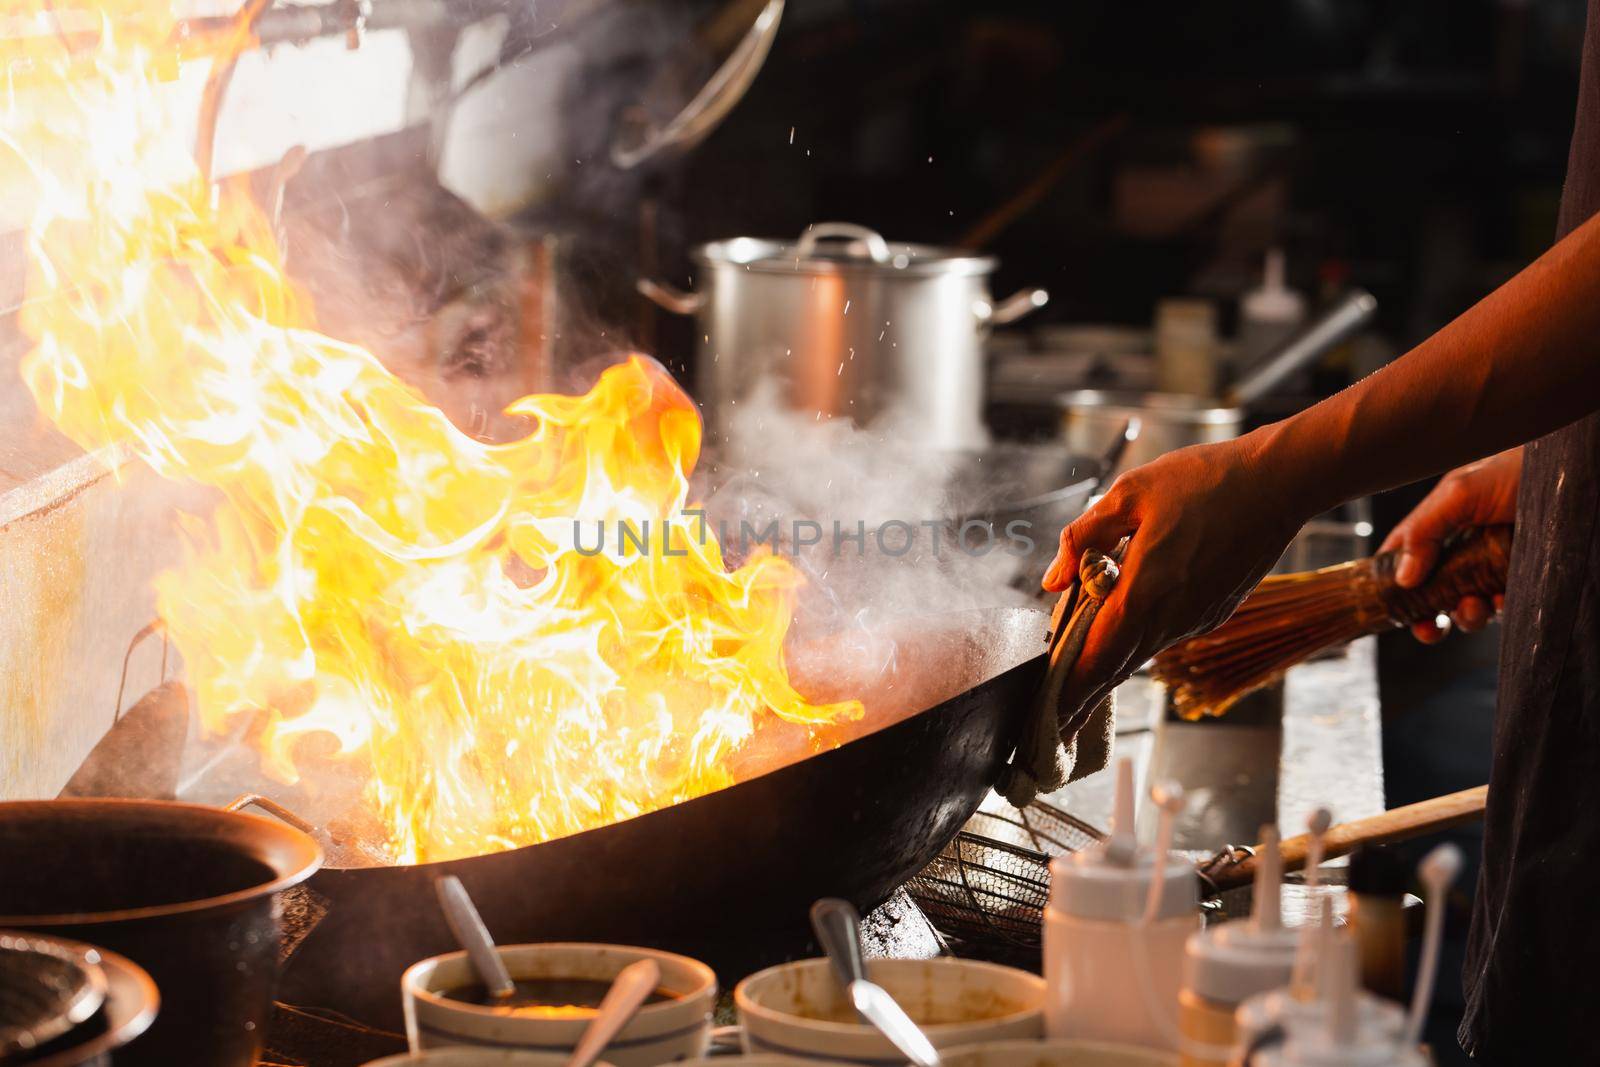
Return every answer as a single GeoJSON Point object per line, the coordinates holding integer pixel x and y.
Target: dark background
{"type": "Point", "coordinates": [1414, 149]}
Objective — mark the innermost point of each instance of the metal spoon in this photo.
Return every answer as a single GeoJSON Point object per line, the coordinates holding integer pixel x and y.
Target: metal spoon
{"type": "Point", "coordinates": [472, 935]}
{"type": "Point", "coordinates": [838, 928]}
{"type": "Point", "coordinates": [630, 989]}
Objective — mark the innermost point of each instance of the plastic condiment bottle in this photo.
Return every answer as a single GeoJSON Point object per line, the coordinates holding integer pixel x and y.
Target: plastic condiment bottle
{"type": "Point", "coordinates": [1266, 1017]}
{"type": "Point", "coordinates": [1268, 314]}
{"type": "Point", "coordinates": [1114, 932]}
{"type": "Point", "coordinates": [1338, 1037]}
{"type": "Point", "coordinates": [1227, 964]}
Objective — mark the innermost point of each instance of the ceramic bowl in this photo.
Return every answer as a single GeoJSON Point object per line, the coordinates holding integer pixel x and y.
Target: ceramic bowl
{"type": "Point", "coordinates": [674, 1029]}
{"type": "Point", "coordinates": [1055, 1054]}
{"type": "Point", "coordinates": [476, 1057]}
{"type": "Point", "coordinates": [799, 1009]}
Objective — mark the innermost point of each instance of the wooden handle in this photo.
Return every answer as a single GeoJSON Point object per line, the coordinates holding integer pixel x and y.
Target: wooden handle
{"type": "Point", "coordinates": [1474, 564]}
{"type": "Point", "coordinates": [1397, 824]}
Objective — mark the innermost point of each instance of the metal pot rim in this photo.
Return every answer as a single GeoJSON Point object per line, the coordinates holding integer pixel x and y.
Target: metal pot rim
{"type": "Point", "coordinates": [769, 255]}
{"type": "Point", "coordinates": [1176, 407]}
{"type": "Point", "coordinates": [287, 872]}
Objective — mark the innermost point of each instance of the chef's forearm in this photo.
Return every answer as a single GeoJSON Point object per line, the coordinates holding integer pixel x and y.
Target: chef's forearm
{"type": "Point", "coordinates": [1522, 362]}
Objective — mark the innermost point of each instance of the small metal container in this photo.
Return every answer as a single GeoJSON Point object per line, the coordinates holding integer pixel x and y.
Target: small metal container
{"type": "Point", "coordinates": [1167, 421]}
{"type": "Point", "coordinates": [848, 325]}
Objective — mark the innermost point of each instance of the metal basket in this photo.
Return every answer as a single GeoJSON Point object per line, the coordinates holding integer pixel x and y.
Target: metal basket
{"type": "Point", "coordinates": [986, 891]}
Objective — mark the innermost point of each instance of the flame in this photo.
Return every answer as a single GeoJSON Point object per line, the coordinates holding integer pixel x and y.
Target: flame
{"type": "Point", "coordinates": [431, 603]}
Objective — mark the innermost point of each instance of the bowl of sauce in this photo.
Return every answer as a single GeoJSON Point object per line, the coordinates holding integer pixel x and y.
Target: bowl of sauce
{"type": "Point", "coordinates": [800, 1009]}
{"type": "Point", "coordinates": [558, 988]}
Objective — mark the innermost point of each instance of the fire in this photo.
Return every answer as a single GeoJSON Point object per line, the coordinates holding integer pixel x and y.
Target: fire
{"type": "Point", "coordinates": [430, 605]}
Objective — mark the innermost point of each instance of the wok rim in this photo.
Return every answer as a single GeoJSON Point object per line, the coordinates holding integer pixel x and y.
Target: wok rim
{"type": "Point", "coordinates": [305, 857]}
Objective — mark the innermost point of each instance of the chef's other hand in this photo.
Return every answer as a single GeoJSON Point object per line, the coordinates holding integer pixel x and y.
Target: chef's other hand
{"type": "Point", "coordinates": [1205, 524]}
{"type": "Point", "coordinates": [1480, 494]}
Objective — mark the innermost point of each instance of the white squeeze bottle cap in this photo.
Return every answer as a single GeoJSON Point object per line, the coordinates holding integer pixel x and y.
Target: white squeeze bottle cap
{"type": "Point", "coordinates": [1235, 960]}
{"type": "Point", "coordinates": [1113, 881]}
{"type": "Point", "coordinates": [1339, 1039]}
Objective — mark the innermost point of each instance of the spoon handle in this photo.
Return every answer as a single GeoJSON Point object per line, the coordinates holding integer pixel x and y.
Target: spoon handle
{"type": "Point", "coordinates": [467, 925]}
{"type": "Point", "coordinates": [879, 1008]}
{"type": "Point", "coordinates": [838, 929]}
{"type": "Point", "coordinates": [635, 983]}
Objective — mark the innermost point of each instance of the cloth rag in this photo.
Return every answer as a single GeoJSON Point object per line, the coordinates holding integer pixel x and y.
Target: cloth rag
{"type": "Point", "coordinates": [1062, 742]}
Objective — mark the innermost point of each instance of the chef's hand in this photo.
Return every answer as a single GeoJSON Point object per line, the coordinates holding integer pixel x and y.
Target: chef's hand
{"type": "Point", "coordinates": [1205, 524]}
{"type": "Point", "coordinates": [1480, 494]}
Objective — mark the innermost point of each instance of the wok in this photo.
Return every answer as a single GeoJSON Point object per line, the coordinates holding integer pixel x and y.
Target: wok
{"type": "Point", "coordinates": [726, 877]}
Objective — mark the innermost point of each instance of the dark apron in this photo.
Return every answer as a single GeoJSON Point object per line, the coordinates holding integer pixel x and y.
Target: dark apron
{"type": "Point", "coordinates": [1531, 978]}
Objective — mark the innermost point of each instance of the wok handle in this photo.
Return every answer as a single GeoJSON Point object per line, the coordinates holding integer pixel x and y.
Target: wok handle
{"type": "Point", "coordinates": [273, 808]}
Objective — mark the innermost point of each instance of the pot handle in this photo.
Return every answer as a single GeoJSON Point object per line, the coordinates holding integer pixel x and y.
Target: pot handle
{"type": "Point", "coordinates": [272, 807]}
{"type": "Point", "coordinates": [669, 298]}
{"type": "Point", "coordinates": [860, 237]}
{"type": "Point", "coordinates": [1018, 304]}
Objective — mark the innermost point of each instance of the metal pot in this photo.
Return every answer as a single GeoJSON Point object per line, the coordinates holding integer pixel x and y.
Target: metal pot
{"type": "Point", "coordinates": [1166, 421]}
{"type": "Point", "coordinates": [1169, 421]}
{"type": "Point", "coordinates": [183, 890]}
{"type": "Point", "coordinates": [850, 325]}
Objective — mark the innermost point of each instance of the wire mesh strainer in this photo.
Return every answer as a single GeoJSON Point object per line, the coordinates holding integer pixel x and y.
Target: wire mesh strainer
{"type": "Point", "coordinates": [985, 893]}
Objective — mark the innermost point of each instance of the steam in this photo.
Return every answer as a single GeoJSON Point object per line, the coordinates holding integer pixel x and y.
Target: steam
{"type": "Point", "coordinates": [825, 475]}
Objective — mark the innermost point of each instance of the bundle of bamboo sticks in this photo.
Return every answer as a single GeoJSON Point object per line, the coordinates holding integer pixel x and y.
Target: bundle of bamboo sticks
{"type": "Point", "coordinates": [1292, 617]}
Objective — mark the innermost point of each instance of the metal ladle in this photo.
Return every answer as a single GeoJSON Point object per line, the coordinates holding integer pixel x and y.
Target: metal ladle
{"type": "Point", "coordinates": [838, 928]}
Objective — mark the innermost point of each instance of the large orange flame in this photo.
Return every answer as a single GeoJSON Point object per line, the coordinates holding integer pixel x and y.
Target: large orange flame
{"type": "Point", "coordinates": [431, 602]}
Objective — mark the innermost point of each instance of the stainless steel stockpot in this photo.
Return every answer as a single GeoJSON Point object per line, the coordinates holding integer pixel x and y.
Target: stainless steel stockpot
{"type": "Point", "coordinates": [847, 324]}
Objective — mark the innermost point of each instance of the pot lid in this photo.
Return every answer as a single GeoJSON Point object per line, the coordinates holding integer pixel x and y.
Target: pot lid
{"type": "Point", "coordinates": [47, 987]}
{"type": "Point", "coordinates": [841, 247]}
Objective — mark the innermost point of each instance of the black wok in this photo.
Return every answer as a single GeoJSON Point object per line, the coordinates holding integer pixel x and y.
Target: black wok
{"type": "Point", "coordinates": [726, 877]}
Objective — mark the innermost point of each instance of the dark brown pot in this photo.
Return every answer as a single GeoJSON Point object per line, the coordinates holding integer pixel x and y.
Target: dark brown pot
{"type": "Point", "coordinates": [186, 891]}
